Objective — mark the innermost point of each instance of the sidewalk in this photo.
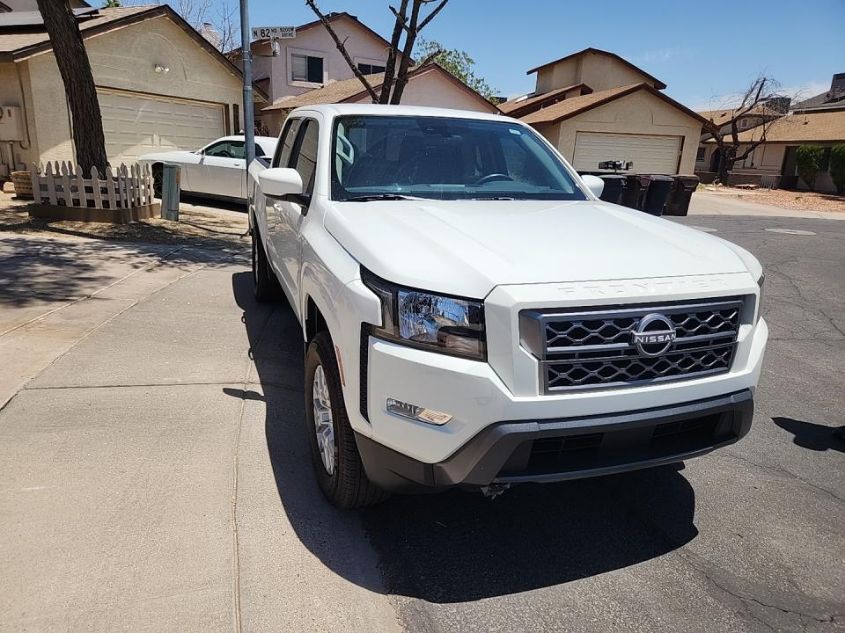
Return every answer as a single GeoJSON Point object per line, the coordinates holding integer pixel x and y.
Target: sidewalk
{"type": "Point", "coordinates": [156, 476]}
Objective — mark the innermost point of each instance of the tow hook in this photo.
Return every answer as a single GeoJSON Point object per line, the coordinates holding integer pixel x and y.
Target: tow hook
{"type": "Point", "coordinates": [494, 490]}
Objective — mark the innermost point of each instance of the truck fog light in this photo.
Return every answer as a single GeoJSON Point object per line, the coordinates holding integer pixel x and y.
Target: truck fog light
{"type": "Point", "coordinates": [413, 412]}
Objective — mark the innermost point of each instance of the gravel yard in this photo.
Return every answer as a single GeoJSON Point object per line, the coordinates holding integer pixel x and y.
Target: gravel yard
{"type": "Point", "coordinates": [808, 200]}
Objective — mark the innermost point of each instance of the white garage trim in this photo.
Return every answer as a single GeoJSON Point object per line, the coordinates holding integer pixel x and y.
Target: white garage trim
{"type": "Point", "coordinates": [650, 153]}
{"type": "Point", "coordinates": [136, 123]}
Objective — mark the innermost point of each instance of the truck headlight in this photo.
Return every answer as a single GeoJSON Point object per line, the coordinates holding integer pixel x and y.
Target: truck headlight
{"type": "Point", "coordinates": [435, 322]}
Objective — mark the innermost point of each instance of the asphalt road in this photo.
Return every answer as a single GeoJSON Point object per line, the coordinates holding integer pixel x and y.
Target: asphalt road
{"type": "Point", "coordinates": [155, 476]}
{"type": "Point", "coordinates": [747, 539]}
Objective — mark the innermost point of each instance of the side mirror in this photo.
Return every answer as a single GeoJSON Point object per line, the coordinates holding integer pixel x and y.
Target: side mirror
{"type": "Point", "coordinates": [280, 182]}
{"type": "Point", "coordinates": [594, 184]}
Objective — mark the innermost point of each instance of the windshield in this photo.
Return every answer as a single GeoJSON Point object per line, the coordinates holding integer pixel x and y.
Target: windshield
{"type": "Point", "coordinates": [444, 159]}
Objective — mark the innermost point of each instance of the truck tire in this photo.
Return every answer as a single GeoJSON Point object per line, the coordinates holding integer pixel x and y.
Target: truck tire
{"type": "Point", "coordinates": [264, 282]}
{"type": "Point", "coordinates": [337, 463]}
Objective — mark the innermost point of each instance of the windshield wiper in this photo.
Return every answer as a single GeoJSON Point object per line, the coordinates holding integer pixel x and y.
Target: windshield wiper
{"type": "Point", "coordinates": [494, 198]}
{"type": "Point", "coordinates": [382, 196]}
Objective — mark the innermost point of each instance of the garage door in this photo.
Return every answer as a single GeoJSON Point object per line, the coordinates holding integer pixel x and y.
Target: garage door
{"type": "Point", "coordinates": [135, 124]}
{"type": "Point", "coordinates": [650, 154]}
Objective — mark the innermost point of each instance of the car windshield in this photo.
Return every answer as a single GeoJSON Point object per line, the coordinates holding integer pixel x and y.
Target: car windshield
{"type": "Point", "coordinates": [391, 157]}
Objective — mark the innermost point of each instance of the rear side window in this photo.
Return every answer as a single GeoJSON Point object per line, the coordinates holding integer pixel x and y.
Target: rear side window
{"type": "Point", "coordinates": [285, 146]}
{"type": "Point", "coordinates": [305, 153]}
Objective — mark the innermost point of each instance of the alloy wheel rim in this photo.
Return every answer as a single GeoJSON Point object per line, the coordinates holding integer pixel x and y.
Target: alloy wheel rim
{"type": "Point", "coordinates": [323, 420]}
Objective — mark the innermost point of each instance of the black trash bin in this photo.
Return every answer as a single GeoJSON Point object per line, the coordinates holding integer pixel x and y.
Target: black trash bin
{"type": "Point", "coordinates": [614, 185]}
{"type": "Point", "coordinates": [681, 195]}
{"type": "Point", "coordinates": [657, 194]}
{"type": "Point", "coordinates": [636, 186]}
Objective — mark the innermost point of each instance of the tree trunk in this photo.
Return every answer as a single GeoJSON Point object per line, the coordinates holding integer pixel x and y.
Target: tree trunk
{"type": "Point", "coordinates": [72, 60]}
{"type": "Point", "coordinates": [727, 158]}
{"type": "Point", "coordinates": [405, 61]}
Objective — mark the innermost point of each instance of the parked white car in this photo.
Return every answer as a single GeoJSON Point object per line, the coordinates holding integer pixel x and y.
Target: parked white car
{"type": "Point", "coordinates": [475, 316]}
{"type": "Point", "coordinates": [217, 170]}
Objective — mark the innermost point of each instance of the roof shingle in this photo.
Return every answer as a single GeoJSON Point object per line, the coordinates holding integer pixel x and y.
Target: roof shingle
{"type": "Point", "coordinates": [512, 108]}
{"type": "Point", "coordinates": [19, 40]}
{"type": "Point", "coordinates": [801, 128]}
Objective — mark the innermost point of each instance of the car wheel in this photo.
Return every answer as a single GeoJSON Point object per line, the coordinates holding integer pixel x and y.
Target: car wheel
{"type": "Point", "coordinates": [337, 463]}
{"type": "Point", "coordinates": [264, 282]}
{"type": "Point", "coordinates": [157, 179]}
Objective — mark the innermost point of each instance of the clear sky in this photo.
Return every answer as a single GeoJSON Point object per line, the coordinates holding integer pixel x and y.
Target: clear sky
{"type": "Point", "coordinates": [701, 50]}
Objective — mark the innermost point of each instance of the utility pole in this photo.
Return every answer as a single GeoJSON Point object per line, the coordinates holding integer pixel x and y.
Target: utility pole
{"type": "Point", "coordinates": [249, 115]}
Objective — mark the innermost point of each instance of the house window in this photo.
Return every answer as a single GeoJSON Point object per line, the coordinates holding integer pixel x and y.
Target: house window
{"type": "Point", "coordinates": [370, 69]}
{"type": "Point", "coordinates": [699, 155]}
{"type": "Point", "coordinates": [308, 68]}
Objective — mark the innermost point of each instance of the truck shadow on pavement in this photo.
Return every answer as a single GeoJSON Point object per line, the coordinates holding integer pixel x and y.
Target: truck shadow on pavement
{"type": "Point", "coordinates": [456, 546]}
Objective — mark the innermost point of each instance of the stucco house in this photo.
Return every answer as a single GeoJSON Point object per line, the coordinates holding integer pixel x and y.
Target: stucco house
{"type": "Point", "coordinates": [311, 60]}
{"type": "Point", "coordinates": [772, 163]}
{"type": "Point", "coordinates": [308, 69]}
{"type": "Point", "coordinates": [706, 160]}
{"type": "Point", "coordinates": [428, 85]}
{"type": "Point", "coordinates": [595, 106]}
{"type": "Point", "coordinates": [160, 85]}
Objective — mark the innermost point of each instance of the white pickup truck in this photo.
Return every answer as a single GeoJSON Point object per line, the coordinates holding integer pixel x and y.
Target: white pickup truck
{"type": "Point", "coordinates": [473, 315]}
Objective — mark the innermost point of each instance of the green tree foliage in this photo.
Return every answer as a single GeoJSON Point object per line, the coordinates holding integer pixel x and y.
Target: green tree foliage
{"type": "Point", "coordinates": [837, 167]}
{"type": "Point", "coordinates": [809, 160]}
{"type": "Point", "coordinates": [457, 62]}
{"type": "Point", "coordinates": [111, 4]}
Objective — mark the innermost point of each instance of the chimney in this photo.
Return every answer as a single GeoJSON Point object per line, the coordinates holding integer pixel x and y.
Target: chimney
{"type": "Point", "coordinates": [211, 34]}
{"type": "Point", "coordinates": [837, 84]}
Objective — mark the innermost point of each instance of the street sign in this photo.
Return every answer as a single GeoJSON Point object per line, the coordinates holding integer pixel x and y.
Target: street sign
{"type": "Point", "coordinates": [273, 32]}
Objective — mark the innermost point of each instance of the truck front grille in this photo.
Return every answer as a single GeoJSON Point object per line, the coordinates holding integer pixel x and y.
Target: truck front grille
{"type": "Point", "coordinates": [597, 348]}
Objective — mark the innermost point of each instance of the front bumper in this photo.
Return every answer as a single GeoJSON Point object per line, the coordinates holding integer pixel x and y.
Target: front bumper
{"type": "Point", "coordinates": [569, 448]}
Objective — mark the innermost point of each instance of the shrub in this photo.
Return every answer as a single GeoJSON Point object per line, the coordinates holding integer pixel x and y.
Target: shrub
{"type": "Point", "coordinates": [809, 160]}
{"type": "Point", "coordinates": [837, 167]}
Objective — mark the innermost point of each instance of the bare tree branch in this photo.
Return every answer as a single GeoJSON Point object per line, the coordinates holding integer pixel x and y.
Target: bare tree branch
{"type": "Point", "coordinates": [342, 49]}
{"type": "Point", "coordinates": [431, 15]}
{"type": "Point", "coordinates": [390, 67]}
{"type": "Point", "coordinates": [405, 62]}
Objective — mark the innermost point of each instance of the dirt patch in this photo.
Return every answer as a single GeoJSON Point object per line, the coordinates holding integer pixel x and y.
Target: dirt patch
{"type": "Point", "coordinates": [806, 200]}
{"type": "Point", "coordinates": [204, 226]}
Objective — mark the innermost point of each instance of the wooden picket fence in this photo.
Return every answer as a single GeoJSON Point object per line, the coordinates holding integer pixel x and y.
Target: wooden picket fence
{"type": "Point", "coordinates": [63, 184]}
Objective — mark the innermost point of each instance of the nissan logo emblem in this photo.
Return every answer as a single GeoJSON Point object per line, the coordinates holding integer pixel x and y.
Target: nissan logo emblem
{"type": "Point", "coordinates": [653, 335]}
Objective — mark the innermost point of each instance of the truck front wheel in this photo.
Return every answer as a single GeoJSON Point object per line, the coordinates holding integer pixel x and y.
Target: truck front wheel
{"type": "Point", "coordinates": [334, 453]}
{"type": "Point", "coordinates": [264, 282]}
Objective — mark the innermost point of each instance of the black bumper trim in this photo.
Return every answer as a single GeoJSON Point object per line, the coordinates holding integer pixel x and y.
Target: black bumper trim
{"type": "Point", "coordinates": [480, 461]}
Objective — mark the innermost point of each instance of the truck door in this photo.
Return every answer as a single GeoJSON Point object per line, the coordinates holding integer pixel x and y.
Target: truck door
{"type": "Point", "coordinates": [272, 215]}
{"type": "Point", "coordinates": [287, 241]}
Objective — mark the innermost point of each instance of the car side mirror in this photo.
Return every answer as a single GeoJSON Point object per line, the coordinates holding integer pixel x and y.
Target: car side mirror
{"type": "Point", "coordinates": [283, 183]}
{"type": "Point", "coordinates": [594, 184]}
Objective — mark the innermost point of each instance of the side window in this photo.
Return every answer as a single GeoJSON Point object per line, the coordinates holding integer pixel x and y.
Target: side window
{"type": "Point", "coordinates": [283, 149]}
{"type": "Point", "coordinates": [236, 149]}
{"type": "Point", "coordinates": [305, 153]}
{"type": "Point", "coordinates": [218, 149]}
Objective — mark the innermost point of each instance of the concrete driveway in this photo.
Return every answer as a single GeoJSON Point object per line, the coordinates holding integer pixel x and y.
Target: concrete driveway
{"type": "Point", "coordinates": [156, 477]}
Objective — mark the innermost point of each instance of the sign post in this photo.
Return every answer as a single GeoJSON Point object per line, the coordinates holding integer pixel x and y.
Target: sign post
{"type": "Point", "coordinates": [249, 114]}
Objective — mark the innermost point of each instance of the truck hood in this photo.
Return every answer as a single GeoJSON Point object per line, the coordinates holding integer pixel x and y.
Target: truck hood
{"type": "Point", "coordinates": [469, 247]}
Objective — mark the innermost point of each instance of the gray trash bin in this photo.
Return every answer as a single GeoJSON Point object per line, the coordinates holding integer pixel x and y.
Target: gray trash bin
{"type": "Point", "coordinates": [170, 192]}
{"type": "Point", "coordinates": [658, 194]}
{"type": "Point", "coordinates": [681, 195]}
{"type": "Point", "coordinates": [636, 187]}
